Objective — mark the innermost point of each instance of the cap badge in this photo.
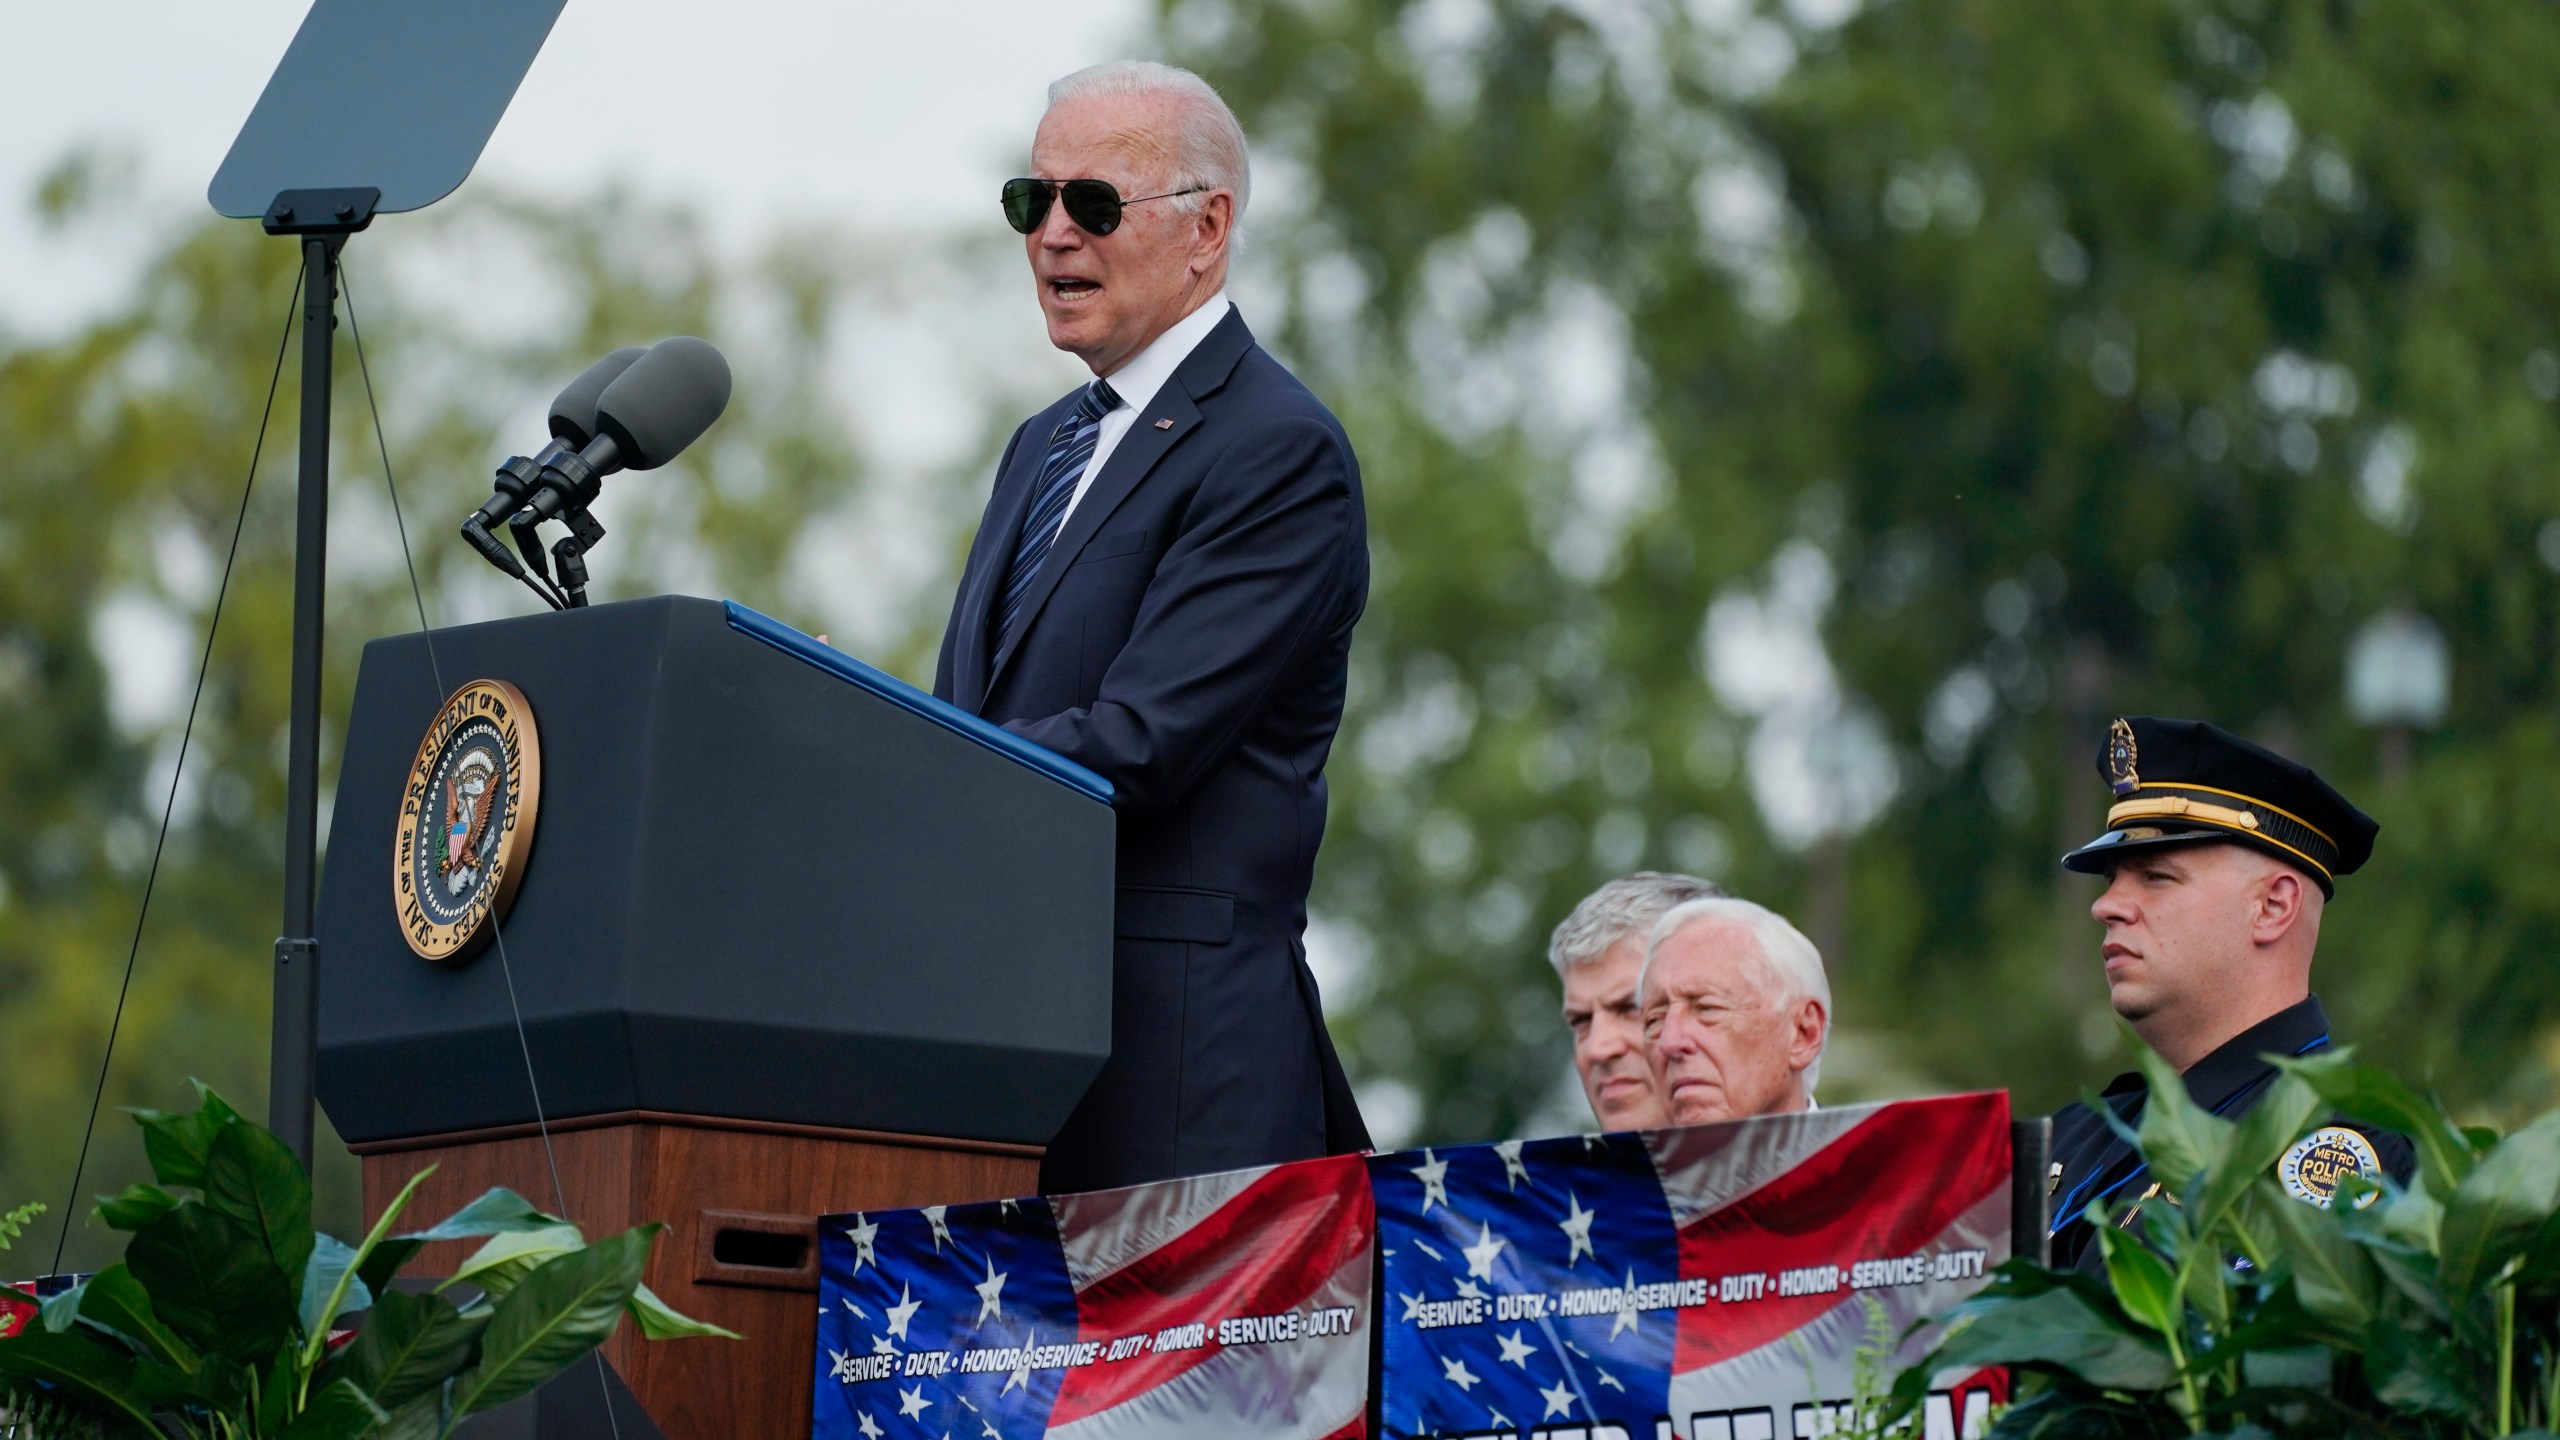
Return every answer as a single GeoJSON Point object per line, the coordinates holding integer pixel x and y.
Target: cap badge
{"type": "Point", "coordinates": [2121, 757]}
{"type": "Point", "coordinates": [2312, 1169]}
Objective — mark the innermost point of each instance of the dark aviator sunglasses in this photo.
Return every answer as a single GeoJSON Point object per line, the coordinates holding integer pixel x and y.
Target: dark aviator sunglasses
{"type": "Point", "coordinates": [1092, 204]}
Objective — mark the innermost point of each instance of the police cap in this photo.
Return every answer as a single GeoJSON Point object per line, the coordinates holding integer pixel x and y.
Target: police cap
{"type": "Point", "coordinates": [2177, 782]}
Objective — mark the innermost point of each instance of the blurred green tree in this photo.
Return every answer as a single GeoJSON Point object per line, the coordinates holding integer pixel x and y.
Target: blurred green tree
{"type": "Point", "coordinates": [1794, 430]}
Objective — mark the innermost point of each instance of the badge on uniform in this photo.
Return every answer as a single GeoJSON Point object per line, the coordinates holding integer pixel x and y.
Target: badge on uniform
{"type": "Point", "coordinates": [2312, 1169]}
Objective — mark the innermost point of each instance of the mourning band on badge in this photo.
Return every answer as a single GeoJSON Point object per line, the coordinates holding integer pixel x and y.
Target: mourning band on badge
{"type": "Point", "coordinates": [466, 821]}
{"type": "Point", "coordinates": [2319, 1161]}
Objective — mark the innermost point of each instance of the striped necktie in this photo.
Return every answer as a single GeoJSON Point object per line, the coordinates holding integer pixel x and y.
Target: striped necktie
{"type": "Point", "coordinates": [1070, 448]}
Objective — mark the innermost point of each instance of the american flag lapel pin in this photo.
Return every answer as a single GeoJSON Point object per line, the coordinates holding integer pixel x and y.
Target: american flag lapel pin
{"type": "Point", "coordinates": [1165, 424]}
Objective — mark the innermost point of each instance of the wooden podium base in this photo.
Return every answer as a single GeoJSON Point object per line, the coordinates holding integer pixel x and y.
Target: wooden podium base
{"type": "Point", "coordinates": [739, 1199]}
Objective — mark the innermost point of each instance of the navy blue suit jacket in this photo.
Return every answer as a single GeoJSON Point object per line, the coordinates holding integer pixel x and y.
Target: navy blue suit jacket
{"type": "Point", "coordinates": [1188, 639]}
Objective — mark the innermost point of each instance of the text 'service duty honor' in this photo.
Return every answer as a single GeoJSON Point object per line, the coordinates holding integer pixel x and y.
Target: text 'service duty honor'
{"type": "Point", "coordinates": [466, 820]}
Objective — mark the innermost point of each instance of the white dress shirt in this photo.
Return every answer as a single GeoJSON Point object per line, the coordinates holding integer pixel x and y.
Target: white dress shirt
{"type": "Point", "coordinates": [1137, 382]}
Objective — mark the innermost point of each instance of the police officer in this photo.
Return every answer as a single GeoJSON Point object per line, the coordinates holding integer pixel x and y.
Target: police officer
{"type": "Point", "coordinates": [2220, 856]}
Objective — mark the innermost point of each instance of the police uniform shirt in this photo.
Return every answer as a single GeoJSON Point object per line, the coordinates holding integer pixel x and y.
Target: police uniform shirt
{"type": "Point", "coordinates": [2093, 1163]}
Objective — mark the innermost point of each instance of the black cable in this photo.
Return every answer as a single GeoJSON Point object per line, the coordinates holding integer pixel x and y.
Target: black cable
{"type": "Point", "coordinates": [186, 736]}
{"type": "Point", "coordinates": [435, 668]}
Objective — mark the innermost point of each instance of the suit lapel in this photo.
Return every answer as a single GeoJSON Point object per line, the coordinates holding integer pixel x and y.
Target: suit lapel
{"type": "Point", "coordinates": [1000, 532]}
{"type": "Point", "coordinates": [1149, 439]}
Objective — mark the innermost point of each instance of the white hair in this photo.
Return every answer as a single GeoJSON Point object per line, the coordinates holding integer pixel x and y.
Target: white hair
{"type": "Point", "coordinates": [1208, 144]}
{"type": "Point", "coordinates": [1628, 905]}
{"type": "Point", "coordinates": [1791, 958]}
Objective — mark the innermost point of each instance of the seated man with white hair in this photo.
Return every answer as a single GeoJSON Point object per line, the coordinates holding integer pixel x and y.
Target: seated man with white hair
{"type": "Point", "coordinates": [1598, 951]}
{"type": "Point", "coordinates": [1736, 1012]}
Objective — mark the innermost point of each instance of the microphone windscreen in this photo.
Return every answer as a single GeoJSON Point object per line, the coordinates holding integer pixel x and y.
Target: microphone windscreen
{"type": "Point", "coordinates": [573, 412]}
{"type": "Point", "coordinates": [664, 401]}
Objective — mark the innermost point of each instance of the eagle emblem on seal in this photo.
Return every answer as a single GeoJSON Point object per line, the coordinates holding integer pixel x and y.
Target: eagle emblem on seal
{"type": "Point", "coordinates": [466, 821]}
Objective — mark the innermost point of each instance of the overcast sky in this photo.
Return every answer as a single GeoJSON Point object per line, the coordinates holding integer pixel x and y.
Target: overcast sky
{"type": "Point", "coordinates": [759, 110]}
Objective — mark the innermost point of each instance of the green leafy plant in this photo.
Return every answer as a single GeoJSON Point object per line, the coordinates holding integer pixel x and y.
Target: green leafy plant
{"type": "Point", "coordinates": [219, 1321]}
{"type": "Point", "coordinates": [2430, 1310]}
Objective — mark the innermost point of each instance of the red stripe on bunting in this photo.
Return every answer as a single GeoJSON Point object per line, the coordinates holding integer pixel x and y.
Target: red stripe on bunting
{"type": "Point", "coordinates": [1267, 1250]}
{"type": "Point", "coordinates": [1886, 1188]}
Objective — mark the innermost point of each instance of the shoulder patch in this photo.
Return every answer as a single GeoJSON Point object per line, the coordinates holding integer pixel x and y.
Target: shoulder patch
{"type": "Point", "coordinates": [2312, 1169]}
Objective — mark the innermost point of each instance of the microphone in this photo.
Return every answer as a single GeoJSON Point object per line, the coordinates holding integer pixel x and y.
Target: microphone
{"type": "Point", "coordinates": [573, 423]}
{"type": "Point", "coordinates": [646, 416]}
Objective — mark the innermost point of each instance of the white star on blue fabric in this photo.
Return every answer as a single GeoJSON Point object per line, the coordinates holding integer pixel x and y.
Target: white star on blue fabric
{"type": "Point", "coordinates": [933, 1216]}
{"type": "Point", "coordinates": [1469, 1290]}
{"type": "Point", "coordinates": [1412, 1307]}
{"type": "Point", "coordinates": [911, 1403]}
{"type": "Point", "coordinates": [1559, 1401]}
{"type": "Point", "coordinates": [1514, 1169]}
{"type": "Point", "coordinates": [1433, 1172]}
{"type": "Point", "coordinates": [1576, 1225]}
{"type": "Point", "coordinates": [1021, 1376]}
{"type": "Point", "coordinates": [870, 1428]}
{"type": "Point", "coordinates": [1609, 1380]}
{"type": "Point", "coordinates": [1515, 1350]}
{"type": "Point", "coordinates": [1456, 1373]}
{"type": "Point", "coordinates": [902, 1312]}
{"type": "Point", "coordinates": [1627, 1318]}
{"type": "Point", "coordinates": [863, 1233]}
{"type": "Point", "coordinates": [990, 1293]}
{"type": "Point", "coordinates": [880, 1346]}
{"type": "Point", "coordinates": [856, 1309]}
{"type": "Point", "coordinates": [839, 1365]}
{"type": "Point", "coordinates": [1482, 1254]}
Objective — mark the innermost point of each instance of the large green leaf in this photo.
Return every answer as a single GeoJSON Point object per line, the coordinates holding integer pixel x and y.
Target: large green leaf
{"type": "Point", "coordinates": [2415, 1368]}
{"type": "Point", "coordinates": [383, 1264]}
{"type": "Point", "coordinates": [255, 1182]}
{"type": "Point", "coordinates": [507, 1258]}
{"type": "Point", "coordinates": [2058, 1327]}
{"type": "Point", "coordinates": [178, 1143]}
{"type": "Point", "coordinates": [2144, 1284]}
{"type": "Point", "coordinates": [409, 1344]}
{"type": "Point", "coordinates": [213, 1283]}
{"type": "Point", "coordinates": [2333, 1277]}
{"type": "Point", "coordinates": [2179, 1139]}
{"type": "Point", "coordinates": [135, 1206]}
{"type": "Point", "coordinates": [421, 1419]}
{"type": "Point", "coordinates": [327, 1291]}
{"type": "Point", "coordinates": [660, 1321]}
{"type": "Point", "coordinates": [2496, 1212]}
{"type": "Point", "coordinates": [499, 1212]}
{"type": "Point", "coordinates": [2377, 1097]}
{"type": "Point", "coordinates": [338, 1412]}
{"type": "Point", "coordinates": [561, 1311]}
{"type": "Point", "coordinates": [2280, 1117]}
{"type": "Point", "coordinates": [115, 1300]}
{"type": "Point", "coordinates": [82, 1367]}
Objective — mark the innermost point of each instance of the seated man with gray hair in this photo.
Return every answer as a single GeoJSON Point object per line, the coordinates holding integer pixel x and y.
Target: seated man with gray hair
{"type": "Point", "coordinates": [1736, 1012]}
{"type": "Point", "coordinates": [1597, 952]}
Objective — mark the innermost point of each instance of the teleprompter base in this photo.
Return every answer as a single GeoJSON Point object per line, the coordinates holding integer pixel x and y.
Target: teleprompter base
{"type": "Point", "coordinates": [739, 1200]}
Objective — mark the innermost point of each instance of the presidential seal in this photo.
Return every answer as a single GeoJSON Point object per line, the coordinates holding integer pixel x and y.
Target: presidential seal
{"type": "Point", "coordinates": [466, 821]}
{"type": "Point", "coordinates": [2312, 1169]}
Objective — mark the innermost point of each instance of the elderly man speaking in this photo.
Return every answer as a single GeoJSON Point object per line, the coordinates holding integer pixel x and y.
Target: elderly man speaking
{"type": "Point", "coordinates": [1736, 1012]}
{"type": "Point", "coordinates": [1162, 589]}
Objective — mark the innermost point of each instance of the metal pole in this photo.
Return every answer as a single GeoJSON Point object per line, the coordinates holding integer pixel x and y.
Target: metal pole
{"type": "Point", "coordinates": [294, 1054]}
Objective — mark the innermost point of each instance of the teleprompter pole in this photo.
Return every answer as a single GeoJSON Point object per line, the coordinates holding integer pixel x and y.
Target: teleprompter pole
{"type": "Point", "coordinates": [322, 219]}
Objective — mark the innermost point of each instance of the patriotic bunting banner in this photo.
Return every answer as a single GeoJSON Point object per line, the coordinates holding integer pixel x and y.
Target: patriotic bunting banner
{"type": "Point", "coordinates": [1224, 1305]}
{"type": "Point", "coordinates": [1722, 1282]}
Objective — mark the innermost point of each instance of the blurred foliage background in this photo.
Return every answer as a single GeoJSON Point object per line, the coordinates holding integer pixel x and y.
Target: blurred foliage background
{"type": "Point", "coordinates": [1792, 431]}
